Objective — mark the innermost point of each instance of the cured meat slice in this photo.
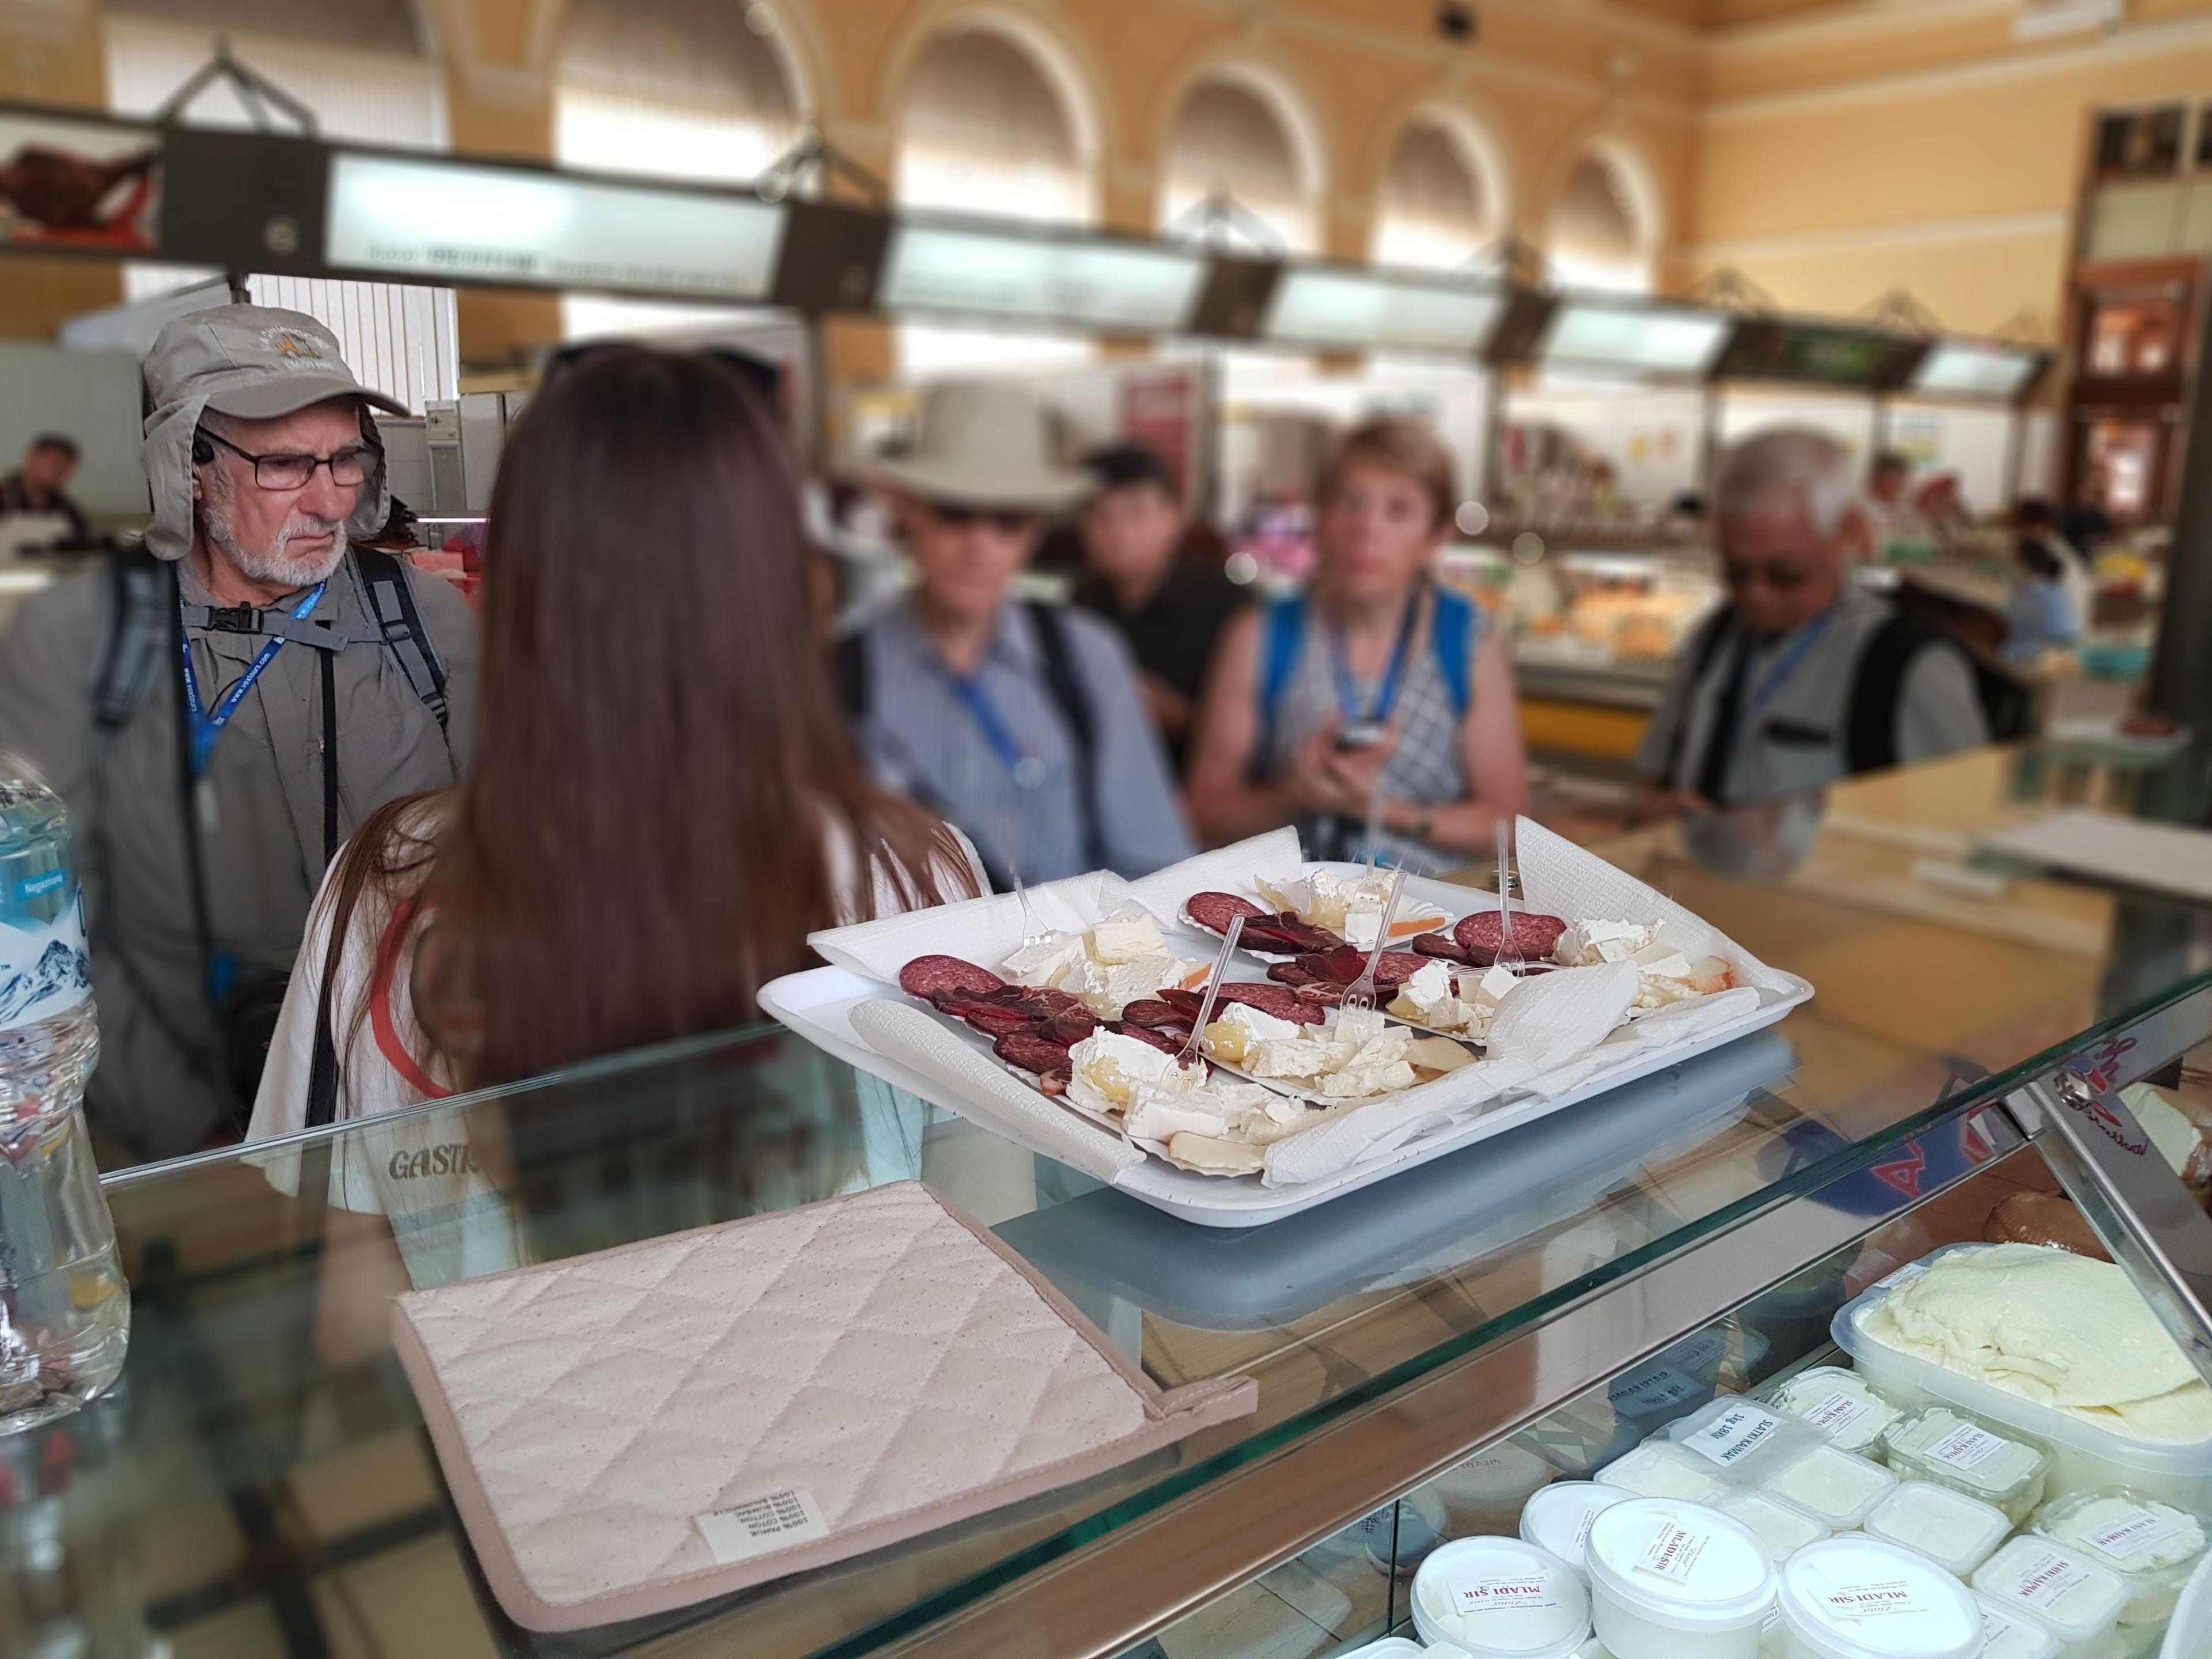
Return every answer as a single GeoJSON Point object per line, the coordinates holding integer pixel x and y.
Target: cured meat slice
{"type": "Point", "coordinates": [1068, 1027]}
{"type": "Point", "coordinates": [1186, 1003]}
{"type": "Point", "coordinates": [1317, 994]}
{"type": "Point", "coordinates": [1290, 973]}
{"type": "Point", "coordinates": [1156, 1014]}
{"type": "Point", "coordinates": [1159, 1039]}
{"type": "Point", "coordinates": [1054, 1082]}
{"type": "Point", "coordinates": [925, 975]}
{"type": "Point", "coordinates": [1269, 934]}
{"type": "Point", "coordinates": [1535, 935]}
{"type": "Point", "coordinates": [1032, 1053]}
{"type": "Point", "coordinates": [997, 1021]}
{"type": "Point", "coordinates": [1044, 1001]}
{"type": "Point", "coordinates": [1215, 911]}
{"type": "Point", "coordinates": [1347, 963]}
{"type": "Point", "coordinates": [1283, 1001]}
{"type": "Point", "coordinates": [1442, 945]}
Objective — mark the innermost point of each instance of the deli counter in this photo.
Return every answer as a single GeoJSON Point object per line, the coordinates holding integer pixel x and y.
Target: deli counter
{"type": "Point", "coordinates": [1427, 1353]}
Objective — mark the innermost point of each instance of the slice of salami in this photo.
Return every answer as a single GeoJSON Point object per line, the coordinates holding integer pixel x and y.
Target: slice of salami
{"type": "Point", "coordinates": [1031, 1053]}
{"type": "Point", "coordinates": [1186, 1003]}
{"type": "Point", "coordinates": [1534, 933]}
{"type": "Point", "coordinates": [1159, 1039]}
{"type": "Point", "coordinates": [1215, 911]}
{"type": "Point", "coordinates": [926, 974]}
{"type": "Point", "coordinates": [999, 1022]}
{"type": "Point", "coordinates": [1156, 1014]}
{"type": "Point", "coordinates": [1444, 946]}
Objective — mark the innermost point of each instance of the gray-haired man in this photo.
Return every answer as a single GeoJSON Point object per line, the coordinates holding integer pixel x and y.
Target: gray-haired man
{"type": "Point", "coordinates": [1800, 679]}
{"type": "Point", "coordinates": [188, 704]}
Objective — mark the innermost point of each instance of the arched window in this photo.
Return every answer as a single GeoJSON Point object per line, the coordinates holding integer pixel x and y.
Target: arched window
{"type": "Point", "coordinates": [983, 129]}
{"type": "Point", "coordinates": [1602, 233]}
{"type": "Point", "coordinates": [1229, 139]}
{"type": "Point", "coordinates": [687, 89]}
{"type": "Point", "coordinates": [1434, 208]}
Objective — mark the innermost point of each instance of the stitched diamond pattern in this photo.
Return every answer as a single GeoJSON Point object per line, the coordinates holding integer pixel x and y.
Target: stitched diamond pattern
{"type": "Point", "coordinates": [871, 1350]}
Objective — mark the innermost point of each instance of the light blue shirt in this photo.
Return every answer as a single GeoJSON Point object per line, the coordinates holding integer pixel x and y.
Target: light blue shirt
{"type": "Point", "coordinates": [2041, 613]}
{"type": "Point", "coordinates": [921, 736]}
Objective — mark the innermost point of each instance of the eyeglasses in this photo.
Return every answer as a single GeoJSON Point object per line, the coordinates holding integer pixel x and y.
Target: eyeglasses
{"type": "Point", "coordinates": [1009, 520]}
{"type": "Point", "coordinates": [1774, 573]}
{"type": "Point", "coordinates": [349, 467]}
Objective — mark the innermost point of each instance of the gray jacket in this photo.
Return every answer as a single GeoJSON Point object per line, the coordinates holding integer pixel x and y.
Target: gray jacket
{"type": "Point", "coordinates": [264, 857]}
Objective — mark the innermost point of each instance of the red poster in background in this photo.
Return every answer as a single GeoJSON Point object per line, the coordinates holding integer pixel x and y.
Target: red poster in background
{"type": "Point", "coordinates": [1159, 408]}
{"type": "Point", "coordinates": [77, 184]}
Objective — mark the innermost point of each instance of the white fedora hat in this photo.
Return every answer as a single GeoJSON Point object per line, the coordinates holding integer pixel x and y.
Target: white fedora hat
{"type": "Point", "coordinates": [983, 444]}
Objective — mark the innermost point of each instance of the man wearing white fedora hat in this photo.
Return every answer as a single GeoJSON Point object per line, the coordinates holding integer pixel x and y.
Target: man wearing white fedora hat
{"type": "Point", "coordinates": [1020, 723]}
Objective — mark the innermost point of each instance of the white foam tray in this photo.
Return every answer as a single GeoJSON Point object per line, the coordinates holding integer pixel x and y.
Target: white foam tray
{"type": "Point", "coordinates": [818, 1005]}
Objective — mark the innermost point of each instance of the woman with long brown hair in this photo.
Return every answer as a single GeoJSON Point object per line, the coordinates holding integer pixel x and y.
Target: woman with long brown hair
{"type": "Point", "coordinates": [662, 801]}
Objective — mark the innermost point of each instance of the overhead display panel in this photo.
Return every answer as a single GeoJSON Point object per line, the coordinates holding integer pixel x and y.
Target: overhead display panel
{"type": "Point", "coordinates": [429, 219]}
{"type": "Point", "coordinates": [1031, 276]}
{"type": "Point", "coordinates": [1818, 354]}
{"type": "Point", "coordinates": [1954, 368]}
{"type": "Point", "coordinates": [1359, 311]}
{"type": "Point", "coordinates": [1633, 338]}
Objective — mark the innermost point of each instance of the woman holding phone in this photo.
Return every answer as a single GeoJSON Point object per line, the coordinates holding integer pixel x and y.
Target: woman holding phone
{"type": "Point", "coordinates": [1375, 695]}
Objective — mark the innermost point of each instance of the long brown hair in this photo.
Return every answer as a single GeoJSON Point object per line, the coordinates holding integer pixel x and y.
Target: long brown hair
{"type": "Point", "coordinates": [643, 836]}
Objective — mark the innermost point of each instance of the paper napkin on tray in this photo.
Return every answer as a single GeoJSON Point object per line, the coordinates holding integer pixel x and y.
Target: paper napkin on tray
{"type": "Point", "coordinates": [984, 931]}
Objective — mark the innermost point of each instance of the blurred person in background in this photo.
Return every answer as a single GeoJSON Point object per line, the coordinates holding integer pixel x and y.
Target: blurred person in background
{"type": "Point", "coordinates": [196, 761]}
{"type": "Point", "coordinates": [2032, 520]}
{"type": "Point", "coordinates": [39, 490]}
{"type": "Point", "coordinates": [1890, 518]}
{"type": "Point", "coordinates": [1169, 606]}
{"type": "Point", "coordinates": [2041, 613]}
{"type": "Point", "coordinates": [1799, 678]}
{"type": "Point", "coordinates": [1375, 692]}
{"type": "Point", "coordinates": [2089, 521]}
{"type": "Point", "coordinates": [1019, 722]}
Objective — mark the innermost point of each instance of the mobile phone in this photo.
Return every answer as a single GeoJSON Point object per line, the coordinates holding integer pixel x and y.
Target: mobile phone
{"type": "Point", "coordinates": [1361, 734]}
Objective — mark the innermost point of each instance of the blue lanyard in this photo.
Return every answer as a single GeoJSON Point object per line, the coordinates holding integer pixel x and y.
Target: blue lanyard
{"type": "Point", "coordinates": [1025, 768]}
{"type": "Point", "coordinates": [207, 727]}
{"type": "Point", "coordinates": [1386, 694]}
{"type": "Point", "coordinates": [1749, 709]}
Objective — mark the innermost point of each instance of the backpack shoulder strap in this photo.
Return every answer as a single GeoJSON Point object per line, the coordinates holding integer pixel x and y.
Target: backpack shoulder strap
{"type": "Point", "coordinates": [848, 667]}
{"type": "Point", "coordinates": [1702, 650]}
{"type": "Point", "coordinates": [1877, 683]}
{"type": "Point", "coordinates": [142, 593]}
{"type": "Point", "coordinates": [1455, 626]}
{"type": "Point", "coordinates": [392, 598]}
{"type": "Point", "coordinates": [1073, 700]}
{"type": "Point", "coordinates": [1282, 631]}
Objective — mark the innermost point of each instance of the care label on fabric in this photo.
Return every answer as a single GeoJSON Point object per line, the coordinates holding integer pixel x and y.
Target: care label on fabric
{"type": "Point", "coordinates": [2133, 1531]}
{"type": "Point", "coordinates": [1905, 1275]}
{"type": "Point", "coordinates": [1839, 1413]}
{"type": "Point", "coordinates": [2045, 1579]}
{"type": "Point", "coordinates": [1674, 1551]}
{"type": "Point", "coordinates": [1734, 1435]}
{"type": "Point", "coordinates": [1649, 1393]}
{"type": "Point", "coordinates": [761, 1525]}
{"type": "Point", "coordinates": [1877, 1600]}
{"type": "Point", "coordinates": [1966, 1447]}
{"type": "Point", "coordinates": [1530, 1592]}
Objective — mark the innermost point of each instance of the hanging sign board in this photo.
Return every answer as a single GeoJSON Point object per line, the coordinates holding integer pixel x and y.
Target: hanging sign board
{"type": "Point", "coordinates": [1031, 275]}
{"type": "Point", "coordinates": [1362, 311]}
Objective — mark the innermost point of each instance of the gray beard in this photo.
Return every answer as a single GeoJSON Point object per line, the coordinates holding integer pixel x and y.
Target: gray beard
{"type": "Point", "coordinates": [270, 564]}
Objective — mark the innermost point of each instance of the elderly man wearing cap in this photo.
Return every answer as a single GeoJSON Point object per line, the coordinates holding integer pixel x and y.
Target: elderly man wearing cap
{"type": "Point", "coordinates": [221, 708]}
{"type": "Point", "coordinates": [1020, 723]}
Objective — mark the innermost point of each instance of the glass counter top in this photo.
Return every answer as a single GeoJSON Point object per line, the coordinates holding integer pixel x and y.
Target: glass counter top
{"type": "Point", "coordinates": [260, 1482]}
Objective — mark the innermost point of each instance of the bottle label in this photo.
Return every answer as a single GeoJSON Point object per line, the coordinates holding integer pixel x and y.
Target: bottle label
{"type": "Point", "coordinates": [44, 968]}
{"type": "Point", "coordinates": [1966, 1447]}
{"type": "Point", "coordinates": [1734, 1435]}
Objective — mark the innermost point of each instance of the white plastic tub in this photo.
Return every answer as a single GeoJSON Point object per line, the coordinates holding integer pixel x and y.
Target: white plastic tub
{"type": "Point", "coordinates": [1775, 1522]}
{"type": "Point", "coordinates": [1559, 1517]}
{"type": "Point", "coordinates": [2083, 1457]}
{"type": "Point", "coordinates": [1855, 1598]}
{"type": "Point", "coordinates": [1498, 1598]}
{"type": "Point", "coordinates": [2008, 1633]}
{"type": "Point", "coordinates": [2055, 1586]}
{"type": "Point", "coordinates": [1835, 1488]}
{"type": "Point", "coordinates": [2152, 1546]}
{"type": "Point", "coordinates": [1659, 1468]}
{"type": "Point", "coordinates": [1675, 1580]}
{"type": "Point", "coordinates": [1956, 1532]}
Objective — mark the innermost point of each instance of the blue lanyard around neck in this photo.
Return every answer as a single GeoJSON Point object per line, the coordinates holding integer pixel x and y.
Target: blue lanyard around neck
{"type": "Point", "coordinates": [1386, 694]}
{"type": "Point", "coordinates": [206, 727]}
{"type": "Point", "coordinates": [1025, 768]}
{"type": "Point", "coordinates": [1754, 704]}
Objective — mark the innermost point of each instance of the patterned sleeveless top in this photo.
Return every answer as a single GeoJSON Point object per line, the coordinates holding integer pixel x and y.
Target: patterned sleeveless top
{"type": "Point", "coordinates": [1426, 768]}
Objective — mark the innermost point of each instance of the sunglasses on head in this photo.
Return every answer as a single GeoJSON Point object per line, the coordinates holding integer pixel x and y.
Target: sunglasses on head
{"type": "Point", "coordinates": [1012, 520]}
{"type": "Point", "coordinates": [1770, 573]}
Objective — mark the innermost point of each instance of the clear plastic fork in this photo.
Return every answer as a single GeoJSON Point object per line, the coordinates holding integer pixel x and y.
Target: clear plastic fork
{"type": "Point", "coordinates": [1193, 1051]}
{"type": "Point", "coordinates": [1359, 995]}
{"type": "Point", "coordinates": [1509, 948]}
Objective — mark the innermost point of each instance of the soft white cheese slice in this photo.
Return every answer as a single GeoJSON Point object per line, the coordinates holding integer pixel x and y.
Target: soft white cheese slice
{"type": "Point", "coordinates": [1156, 1114]}
{"type": "Point", "coordinates": [1107, 1067]}
{"type": "Point", "coordinates": [1127, 935]}
{"type": "Point", "coordinates": [1591, 941]}
{"type": "Point", "coordinates": [1210, 1155]}
{"type": "Point", "coordinates": [1043, 963]}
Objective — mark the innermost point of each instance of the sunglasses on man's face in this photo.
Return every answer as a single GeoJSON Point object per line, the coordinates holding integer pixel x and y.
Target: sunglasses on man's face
{"type": "Point", "coordinates": [1776, 574]}
{"type": "Point", "coordinates": [1007, 520]}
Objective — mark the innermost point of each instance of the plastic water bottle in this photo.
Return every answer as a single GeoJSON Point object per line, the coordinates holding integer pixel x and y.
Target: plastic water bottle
{"type": "Point", "coordinates": [64, 1306]}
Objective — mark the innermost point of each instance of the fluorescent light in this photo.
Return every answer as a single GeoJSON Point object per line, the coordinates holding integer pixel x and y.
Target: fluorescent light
{"type": "Point", "coordinates": [1023, 276]}
{"type": "Point", "coordinates": [1359, 312]}
{"type": "Point", "coordinates": [1644, 337]}
{"type": "Point", "coordinates": [1975, 371]}
{"type": "Point", "coordinates": [439, 218]}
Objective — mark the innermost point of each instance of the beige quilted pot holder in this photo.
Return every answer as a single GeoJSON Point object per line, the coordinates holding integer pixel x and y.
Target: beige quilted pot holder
{"type": "Point", "coordinates": [637, 1431]}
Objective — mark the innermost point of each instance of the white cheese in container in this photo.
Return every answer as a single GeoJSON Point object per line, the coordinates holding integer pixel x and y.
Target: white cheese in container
{"type": "Point", "coordinates": [1559, 1517]}
{"type": "Point", "coordinates": [2008, 1633]}
{"type": "Point", "coordinates": [1499, 1598]}
{"type": "Point", "coordinates": [2055, 1586]}
{"type": "Point", "coordinates": [2153, 1547]}
{"type": "Point", "coordinates": [1675, 1580]}
{"type": "Point", "coordinates": [1834, 1486]}
{"type": "Point", "coordinates": [1956, 1532]}
{"type": "Point", "coordinates": [1780, 1525]}
{"type": "Point", "coordinates": [1843, 1404]}
{"type": "Point", "coordinates": [1742, 1442]}
{"type": "Point", "coordinates": [1852, 1598]}
{"type": "Point", "coordinates": [1950, 1448]}
{"type": "Point", "coordinates": [1658, 1468]}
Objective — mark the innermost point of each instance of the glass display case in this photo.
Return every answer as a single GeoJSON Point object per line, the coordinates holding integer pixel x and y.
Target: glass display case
{"type": "Point", "coordinates": [1424, 1351]}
